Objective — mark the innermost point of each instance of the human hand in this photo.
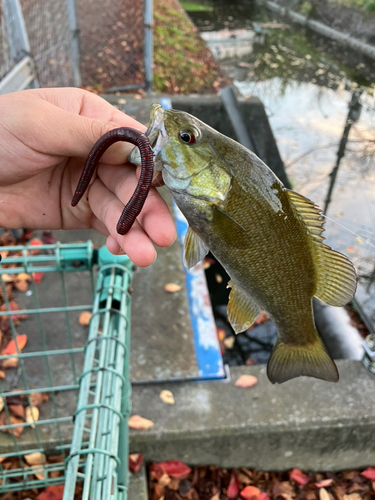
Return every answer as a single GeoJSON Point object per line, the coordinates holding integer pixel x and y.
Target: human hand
{"type": "Point", "coordinates": [45, 138]}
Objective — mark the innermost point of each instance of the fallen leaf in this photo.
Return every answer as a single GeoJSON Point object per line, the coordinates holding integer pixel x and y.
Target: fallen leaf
{"type": "Point", "coordinates": [324, 483]}
{"type": "Point", "coordinates": [369, 473]}
{"type": "Point", "coordinates": [234, 486]}
{"type": "Point", "coordinates": [263, 496]}
{"type": "Point", "coordinates": [229, 341]}
{"type": "Point", "coordinates": [323, 494]}
{"type": "Point", "coordinates": [175, 468]}
{"type": "Point", "coordinates": [2, 460]}
{"type": "Point", "coordinates": [17, 410]}
{"type": "Point", "coordinates": [135, 462]}
{"type": "Point", "coordinates": [218, 278]}
{"type": "Point", "coordinates": [32, 415]}
{"type": "Point", "coordinates": [84, 318]}
{"type": "Point", "coordinates": [37, 277]}
{"type": "Point", "coordinates": [353, 496]}
{"type": "Point", "coordinates": [8, 278]}
{"type": "Point", "coordinates": [35, 243]}
{"type": "Point", "coordinates": [10, 363]}
{"type": "Point", "coordinates": [21, 286]}
{"type": "Point", "coordinates": [38, 398]}
{"type": "Point", "coordinates": [2, 374]}
{"type": "Point", "coordinates": [246, 381]}
{"type": "Point", "coordinates": [249, 492]}
{"type": "Point", "coordinates": [48, 238]}
{"type": "Point", "coordinates": [220, 332]}
{"type": "Point", "coordinates": [164, 480]}
{"type": "Point", "coordinates": [373, 485]}
{"type": "Point", "coordinates": [36, 458]}
{"type": "Point", "coordinates": [174, 484]}
{"type": "Point", "coordinates": [11, 347]}
{"type": "Point", "coordinates": [23, 277]}
{"type": "Point", "coordinates": [172, 288]}
{"type": "Point", "coordinates": [156, 471]}
{"type": "Point", "coordinates": [283, 489]}
{"type": "Point", "coordinates": [1, 404]}
{"type": "Point", "coordinates": [167, 397]}
{"type": "Point", "coordinates": [299, 477]}
{"type": "Point", "coordinates": [139, 423]}
{"type": "Point", "coordinates": [52, 493]}
{"type": "Point", "coordinates": [216, 496]}
{"type": "Point", "coordinates": [17, 431]}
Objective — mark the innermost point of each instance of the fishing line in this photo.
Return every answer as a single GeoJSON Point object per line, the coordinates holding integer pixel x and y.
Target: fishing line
{"type": "Point", "coordinates": [349, 230]}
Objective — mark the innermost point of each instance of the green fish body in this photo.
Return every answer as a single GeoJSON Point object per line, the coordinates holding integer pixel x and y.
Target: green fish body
{"type": "Point", "coordinates": [267, 238]}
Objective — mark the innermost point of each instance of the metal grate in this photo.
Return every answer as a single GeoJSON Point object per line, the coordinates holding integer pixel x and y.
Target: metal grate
{"type": "Point", "coordinates": [86, 380]}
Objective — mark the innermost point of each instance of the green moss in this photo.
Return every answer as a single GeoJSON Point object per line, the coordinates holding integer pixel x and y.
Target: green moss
{"type": "Point", "coordinates": [196, 7]}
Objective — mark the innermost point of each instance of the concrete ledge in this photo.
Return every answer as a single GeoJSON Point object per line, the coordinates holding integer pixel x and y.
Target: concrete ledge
{"type": "Point", "coordinates": [138, 489]}
{"type": "Point", "coordinates": [306, 423]}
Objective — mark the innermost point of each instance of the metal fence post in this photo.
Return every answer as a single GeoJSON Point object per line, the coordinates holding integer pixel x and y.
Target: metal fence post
{"type": "Point", "coordinates": [148, 46]}
{"type": "Point", "coordinates": [74, 43]}
{"type": "Point", "coordinates": [18, 39]}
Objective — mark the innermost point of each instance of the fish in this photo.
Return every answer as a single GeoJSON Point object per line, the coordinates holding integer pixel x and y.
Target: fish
{"type": "Point", "coordinates": [268, 238]}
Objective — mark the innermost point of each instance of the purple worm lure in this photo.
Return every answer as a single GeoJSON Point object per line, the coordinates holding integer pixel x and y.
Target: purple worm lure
{"type": "Point", "coordinates": [136, 202]}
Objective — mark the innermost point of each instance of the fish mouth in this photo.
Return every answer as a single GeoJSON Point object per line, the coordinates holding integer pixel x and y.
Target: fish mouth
{"type": "Point", "coordinates": [156, 135]}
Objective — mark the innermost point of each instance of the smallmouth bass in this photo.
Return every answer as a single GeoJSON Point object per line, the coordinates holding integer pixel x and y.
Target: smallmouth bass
{"type": "Point", "coordinates": [267, 237]}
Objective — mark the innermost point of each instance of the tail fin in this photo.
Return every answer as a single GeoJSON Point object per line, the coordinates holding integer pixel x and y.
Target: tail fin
{"type": "Point", "coordinates": [289, 361]}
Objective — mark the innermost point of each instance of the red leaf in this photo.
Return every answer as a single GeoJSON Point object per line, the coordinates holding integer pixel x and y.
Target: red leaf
{"type": "Point", "coordinates": [234, 486]}
{"type": "Point", "coordinates": [369, 473]}
{"type": "Point", "coordinates": [35, 242]}
{"type": "Point", "coordinates": [263, 496]}
{"type": "Point", "coordinates": [11, 347]}
{"type": "Point", "coordinates": [52, 493]}
{"type": "Point", "coordinates": [156, 470]}
{"type": "Point", "coordinates": [38, 277]}
{"type": "Point", "coordinates": [176, 469]}
{"type": "Point", "coordinates": [48, 238]}
{"type": "Point", "coordinates": [135, 462]}
{"type": "Point", "coordinates": [250, 492]}
{"type": "Point", "coordinates": [299, 477]}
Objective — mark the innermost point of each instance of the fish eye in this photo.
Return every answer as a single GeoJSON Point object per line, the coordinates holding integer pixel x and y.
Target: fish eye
{"type": "Point", "coordinates": [187, 136]}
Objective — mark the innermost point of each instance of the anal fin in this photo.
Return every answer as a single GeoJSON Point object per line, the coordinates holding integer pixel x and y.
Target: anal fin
{"type": "Point", "coordinates": [242, 311]}
{"type": "Point", "coordinates": [194, 249]}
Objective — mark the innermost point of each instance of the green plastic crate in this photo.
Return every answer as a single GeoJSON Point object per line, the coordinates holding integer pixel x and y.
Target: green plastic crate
{"type": "Point", "coordinates": [86, 376]}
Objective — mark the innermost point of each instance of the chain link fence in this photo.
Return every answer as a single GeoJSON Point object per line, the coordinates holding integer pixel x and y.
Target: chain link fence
{"type": "Point", "coordinates": [111, 41]}
{"type": "Point", "coordinates": [47, 26]}
{"type": "Point", "coordinates": [7, 59]}
{"type": "Point", "coordinates": [96, 43]}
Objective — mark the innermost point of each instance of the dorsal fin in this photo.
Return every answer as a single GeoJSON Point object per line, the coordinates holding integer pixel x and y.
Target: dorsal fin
{"type": "Point", "coordinates": [336, 277]}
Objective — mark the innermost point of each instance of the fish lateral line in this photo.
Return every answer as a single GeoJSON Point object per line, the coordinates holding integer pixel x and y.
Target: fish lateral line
{"type": "Point", "coordinates": [135, 204]}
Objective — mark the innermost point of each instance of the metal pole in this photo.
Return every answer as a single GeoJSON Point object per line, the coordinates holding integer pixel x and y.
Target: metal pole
{"type": "Point", "coordinates": [148, 45]}
{"type": "Point", "coordinates": [74, 43]}
{"type": "Point", "coordinates": [18, 39]}
{"type": "Point", "coordinates": [353, 116]}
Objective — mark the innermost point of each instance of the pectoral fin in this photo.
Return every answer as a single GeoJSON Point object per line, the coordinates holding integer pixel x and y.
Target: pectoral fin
{"type": "Point", "coordinates": [242, 311]}
{"type": "Point", "coordinates": [336, 277]}
{"type": "Point", "coordinates": [194, 249]}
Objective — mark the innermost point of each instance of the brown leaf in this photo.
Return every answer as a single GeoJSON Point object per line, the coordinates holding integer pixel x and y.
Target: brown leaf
{"type": "Point", "coordinates": [17, 410]}
{"type": "Point", "coordinates": [158, 492]}
{"type": "Point", "coordinates": [38, 398]}
{"type": "Point", "coordinates": [283, 489]}
{"type": "Point", "coordinates": [246, 381]}
{"type": "Point", "coordinates": [353, 496]}
{"type": "Point", "coordinates": [10, 363]}
{"type": "Point", "coordinates": [2, 374]}
{"type": "Point", "coordinates": [174, 484]}
{"type": "Point", "coordinates": [229, 341]}
{"type": "Point", "coordinates": [139, 423]}
{"type": "Point", "coordinates": [21, 286]}
{"type": "Point", "coordinates": [218, 278]}
{"type": "Point", "coordinates": [84, 318]}
{"type": "Point", "coordinates": [1, 404]}
{"type": "Point", "coordinates": [23, 277]}
{"type": "Point", "coordinates": [349, 474]}
{"type": "Point", "coordinates": [17, 431]}
{"type": "Point", "coordinates": [32, 415]}
{"type": "Point", "coordinates": [52, 493]}
{"type": "Point", "coordinates": [323, 494]}
{"type": "Point", "coordinates": [357, 487]}
{"type": "Point", "coordinates": [172, 288]}
{"type": "Point", "coordinates": [164, 480]}
{"type": "Point", "coordinates": [167, 397]}
{"type": "Point", "coordinates": [243, 478]}
{"type": "Point", "coordinates": [36, 458]}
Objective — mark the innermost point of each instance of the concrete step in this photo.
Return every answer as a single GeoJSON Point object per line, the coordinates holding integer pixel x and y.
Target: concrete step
{"type": "Point", "coordinates": [305, 423]}
{"type": "Point", "coordinates": [138, 489]}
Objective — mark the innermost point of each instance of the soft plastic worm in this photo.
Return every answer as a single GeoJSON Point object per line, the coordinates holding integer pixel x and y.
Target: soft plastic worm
{"type": "Point", "coordinates": [136, 202]}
